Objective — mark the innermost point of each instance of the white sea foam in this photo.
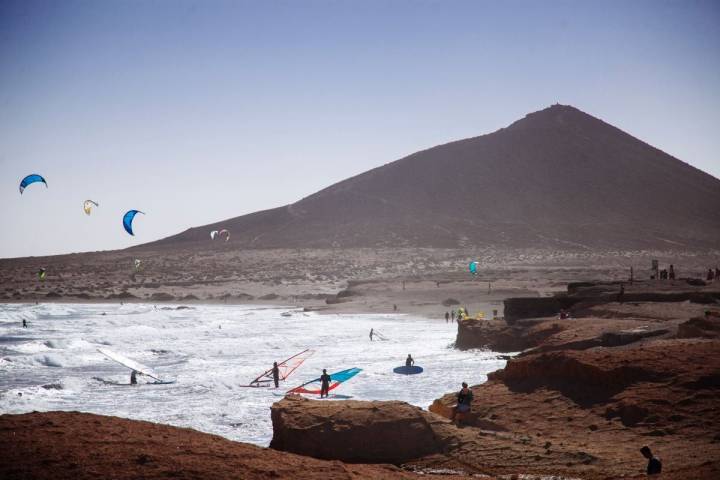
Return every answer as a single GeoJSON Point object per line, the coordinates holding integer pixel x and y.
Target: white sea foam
{"type": "Point", "coordinates": [52, 364]}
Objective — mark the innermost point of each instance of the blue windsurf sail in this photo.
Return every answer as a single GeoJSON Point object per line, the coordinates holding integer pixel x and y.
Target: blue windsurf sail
{"type": "Point", "coordinates": [336, 379]}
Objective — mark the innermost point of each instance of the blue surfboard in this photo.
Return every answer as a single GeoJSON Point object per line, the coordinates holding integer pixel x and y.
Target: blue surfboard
{"type": "Point", "coordinates": [408, 370]}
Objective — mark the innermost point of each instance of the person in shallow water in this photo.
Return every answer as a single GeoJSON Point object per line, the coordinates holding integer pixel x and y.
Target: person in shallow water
{"type": "Point", "coordinates": [133, 378]}
{"type": "Point", "coordinates": [654, 465]}
{"type": "Point", "coordinates": [24, 323]}
{"type": "Point", "coordinates": [324, 383]}
{"type": "Point", "coordinates": [409, 361]}
{"type": "Point", "coordinates": [464, 398]}
{"type": "Point", "coordinates": [276, 374]}
{"type": "Point", "coordinates": [371, 333]}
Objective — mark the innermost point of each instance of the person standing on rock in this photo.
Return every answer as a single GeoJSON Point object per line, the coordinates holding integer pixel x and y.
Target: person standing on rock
{"type": "Point", "coordinates": [276, 374]}
{"type": "Point", "coordinates": [654, 466]}
{"type": "Point", "coordinates": [324, 384]}
{"type": "Point", "coordinates": [464, 398]}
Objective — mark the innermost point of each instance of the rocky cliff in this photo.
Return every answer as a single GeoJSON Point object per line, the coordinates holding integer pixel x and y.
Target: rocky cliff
{"type": "Point", "coordinates": [77, 446]}
{"type": "Point", "coordinates": [354, 431]}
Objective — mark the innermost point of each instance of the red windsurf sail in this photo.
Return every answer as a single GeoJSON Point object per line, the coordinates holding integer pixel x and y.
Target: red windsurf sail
{"type": "Point", "coordinates": [286, 367]}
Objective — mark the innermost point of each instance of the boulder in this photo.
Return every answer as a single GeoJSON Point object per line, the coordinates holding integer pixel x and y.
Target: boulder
{"type": "Point", "coordinates": [700, 327]}
{"type": "Point", "coordinates": [162, 297]}
{"type": "Point", "coordinates": [269, 296]}
{"type": "Point", "coordinates": [531, 307]}
{"type": "Point", "coordinates": [357, 432]}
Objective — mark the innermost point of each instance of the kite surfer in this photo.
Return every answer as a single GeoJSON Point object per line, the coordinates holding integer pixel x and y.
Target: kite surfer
{"type": "Point", "coordinates": [324, 384]}
{"type": "Point", "coordinates": [409, 361]}
{"type": "Point", "coordinates": [276, 374]}
{"type": "Point", "coordinates": [464, 398]}
{"type": "Point", "coordinates": [371, 334]}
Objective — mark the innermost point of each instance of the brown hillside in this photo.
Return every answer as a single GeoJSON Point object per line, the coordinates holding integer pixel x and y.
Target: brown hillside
{"type": "Point", "coordinates": [556, 178]}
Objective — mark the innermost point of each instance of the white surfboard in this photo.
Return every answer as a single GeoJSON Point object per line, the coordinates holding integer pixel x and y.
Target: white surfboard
{"type": "Point", "coordinates": [131, 364]}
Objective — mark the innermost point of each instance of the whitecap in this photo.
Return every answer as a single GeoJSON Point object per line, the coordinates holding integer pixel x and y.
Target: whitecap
{"type": "Point", "coordinates": [49, 360]}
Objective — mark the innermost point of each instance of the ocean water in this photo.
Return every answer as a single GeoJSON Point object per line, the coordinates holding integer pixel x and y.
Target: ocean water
{"type": "Point", "coordinates": [211, 350]}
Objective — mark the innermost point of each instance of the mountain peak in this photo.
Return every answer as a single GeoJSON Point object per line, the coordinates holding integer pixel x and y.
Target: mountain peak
{"type": "Point", "coordinates": [556, 178]}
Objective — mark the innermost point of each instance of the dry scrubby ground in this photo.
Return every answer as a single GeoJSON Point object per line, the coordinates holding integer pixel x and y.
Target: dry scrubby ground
{"type": "Point", "coordinates": [308, 277]}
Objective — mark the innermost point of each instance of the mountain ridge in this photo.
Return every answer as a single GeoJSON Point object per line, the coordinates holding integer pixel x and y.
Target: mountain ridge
{"type": "Point", "coordinates": [557, 177]}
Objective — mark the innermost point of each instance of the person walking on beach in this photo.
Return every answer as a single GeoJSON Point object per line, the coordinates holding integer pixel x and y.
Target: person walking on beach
{"type": "Point", "coordinates": [24, 323]}
{"type": "Point", "coordinates": [464, 399]}
{"type": "Point", "coordinates": [672, 273]}
{"type": "Point", "coordinates": [276, 374]}
{"type": "Point", "coordinates": [324, 384]}
{"type": "Point", "coordinates": [654, 466]}
{"type": "Point", "coordinates": [372, 330]}
{"type": "Point", "coordinates": [447, 317]}
{"type": "Point", "coordinates": [409, 361]}
{"type": "Point", "coordinates": [452, 315]}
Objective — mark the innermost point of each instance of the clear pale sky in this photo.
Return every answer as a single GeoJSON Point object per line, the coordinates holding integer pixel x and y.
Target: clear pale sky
{"type": "Point", "coordinates": [197, 111]}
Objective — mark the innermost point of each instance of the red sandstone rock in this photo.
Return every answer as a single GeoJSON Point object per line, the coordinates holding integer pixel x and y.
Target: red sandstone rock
{"type": "Point", "coordinates": [354, 431]}
{"type": "Point", "coordinates": [77, 446]}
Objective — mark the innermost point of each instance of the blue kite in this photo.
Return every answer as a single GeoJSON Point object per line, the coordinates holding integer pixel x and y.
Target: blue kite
{"type": "Point", "coordinates": [128, 219]}
{"type": "Point", "coordinates": [32, 178]}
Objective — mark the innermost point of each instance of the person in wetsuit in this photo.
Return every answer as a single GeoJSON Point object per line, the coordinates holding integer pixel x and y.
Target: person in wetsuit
{"type": "Point", "coordinates": [276, 374]}
{"type": "Point", "coordinates": [324, 383]}
{"type": "Point", "coordinates": [372, 330]}
{"type": "Point", "coordinates": [409, 362]}
{"type": "Point", "coordinates": [133, 378]}
{"type": "Point", "coordinates": [24, 323]}
{"type": "Point", "coordinates": [654, 465]}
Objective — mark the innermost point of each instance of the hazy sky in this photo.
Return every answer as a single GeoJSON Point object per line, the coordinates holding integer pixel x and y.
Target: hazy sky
{"type": "Point", "coordinates": [197, 111]}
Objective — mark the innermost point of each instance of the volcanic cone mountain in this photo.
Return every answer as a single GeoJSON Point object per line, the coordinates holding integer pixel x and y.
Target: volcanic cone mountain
{"type": "Point", "coordinates": [557, 178]}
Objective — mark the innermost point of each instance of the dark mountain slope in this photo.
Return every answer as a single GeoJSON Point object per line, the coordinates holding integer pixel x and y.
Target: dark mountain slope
{"type": "Point", "coordinates": [556, 178]}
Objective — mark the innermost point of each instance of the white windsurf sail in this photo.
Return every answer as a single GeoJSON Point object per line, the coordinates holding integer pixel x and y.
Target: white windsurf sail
{"type": "Point", "coordinates": [131, 364]}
